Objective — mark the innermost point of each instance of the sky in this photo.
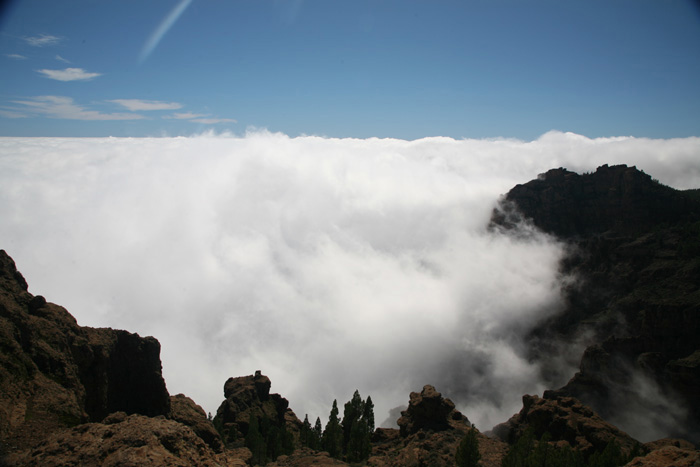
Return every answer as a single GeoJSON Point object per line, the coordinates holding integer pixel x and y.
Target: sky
{"type": "Point", "coordinates": [390, 69]}
{"type": "Point", "coordinates": [330, 264]}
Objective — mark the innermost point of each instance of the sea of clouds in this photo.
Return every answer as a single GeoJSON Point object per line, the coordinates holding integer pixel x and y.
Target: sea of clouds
{"type": "Point", "coordinates": [329, 264]}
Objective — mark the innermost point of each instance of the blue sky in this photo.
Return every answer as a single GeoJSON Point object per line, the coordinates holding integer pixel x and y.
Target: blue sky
{"type": "Point", "coordinates": [401, 69]}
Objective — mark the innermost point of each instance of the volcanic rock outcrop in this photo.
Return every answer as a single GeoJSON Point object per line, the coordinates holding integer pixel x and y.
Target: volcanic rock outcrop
{"type": "Point", "coordinates": [55, 376]}
{"type": "Point", "coordinates": [428, 410]}
{"type": "Point", "coordinates": [249, 396]}
{"type": "Point", "coordinates": [430, 430]}
{"type": "Point", "coordinates": [54, 373]}
{"type": "Point", "coordinates": [567, 420]}
{"type": "Point", "coordinates": [634, 250]}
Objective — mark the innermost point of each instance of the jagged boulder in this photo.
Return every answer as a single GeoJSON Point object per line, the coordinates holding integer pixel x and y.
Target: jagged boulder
{"type": "Point", "coordinates": [565, 419]}
{"type": "Point", "coordinates": [249, 396]}
{"type": "Point", "coordinates": [184, 410]}
{"type": "Point", "coordinates": [430, 430]}
{"type": "Point", "coordinates": [56, 374]}
{"type": "Point", "coordinates": [428, 410]}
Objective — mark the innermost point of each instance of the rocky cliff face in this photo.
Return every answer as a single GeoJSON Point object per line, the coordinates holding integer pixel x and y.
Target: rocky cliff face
{"type": "Point", "coordinates": [54, 373]}
{"type": "Point", "coordinates": [72, 395]}
{"type": "Point", "coordinates": [634, 248]}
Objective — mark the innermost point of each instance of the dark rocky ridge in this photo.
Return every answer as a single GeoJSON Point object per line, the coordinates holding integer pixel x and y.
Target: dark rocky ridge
{"type": "Point", "coordinates": [617, 198]}
{"type": "Point", "coordinates": [634, 247]}
{"type": "Point", "coordinates": [54, 373]}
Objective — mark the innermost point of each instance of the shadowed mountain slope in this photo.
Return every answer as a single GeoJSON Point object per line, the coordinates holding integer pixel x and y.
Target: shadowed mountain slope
{"type": "Point", "coordinates": [634, 251]}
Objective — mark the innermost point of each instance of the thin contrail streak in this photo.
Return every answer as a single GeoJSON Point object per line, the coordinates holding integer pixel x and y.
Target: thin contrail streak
{"type": "Point", "coordinates": [162, 29]}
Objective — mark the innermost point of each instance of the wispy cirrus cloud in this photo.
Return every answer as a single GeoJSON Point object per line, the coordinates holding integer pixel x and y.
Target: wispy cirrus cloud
{"type": "Point", "coordinates": [185, 115]}
{"type": "Point", "coordinates": [62, 107]}
{"type": "Point", "coordinates": [139, 104]}
{"type": "Point", "coordinates": [199, 118]}
{"type": "Point", "coordinates": [69, 74]}
{"type": "Point", "coordinates": [61, 59]}
{"type": "Point", "coordinates": [12, 113]}
{"type": "Point", "coordinates": [42, 40]}
{"type": "Point", "coordinates": [16, 56]}
{"type": "Point", "coordinates": [211, 121]}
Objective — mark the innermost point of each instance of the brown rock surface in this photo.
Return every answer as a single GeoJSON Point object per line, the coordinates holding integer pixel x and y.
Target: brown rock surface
{"type": "Point", "coordinates": [133, 440]}
{"type": "Point", "coordinates": [55, 374]}
{"type": "Point", "coordinates": [433, 448]}
{"type": "Point", "coordinates": [186, 411]}
{"type": "Point", "coordinates": [668, 453]}
{"type": "Point", "coordinates": [305, 456]}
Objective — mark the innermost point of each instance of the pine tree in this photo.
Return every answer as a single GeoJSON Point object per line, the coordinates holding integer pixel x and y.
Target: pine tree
{"type": "Point", "coordinates": [305, 433]}
{"type": "Point", "coordinates": [316, 435]}
{"type": "Point", "coordinates": [519, 452]}
{"type": "Point", "coordinates": [333, 434]}
{"type": "Point", "coordinates": [369, 414]}
{"type": "Point", "coordinates": [354, 409]}
{"type": "Point", "coordinates": [610, 456]}
{"type": "Point", "coordinates": [467, 454]}
{"type": "Point", "coordinates": [358, 426]}
{"type": "Point", "coordinates": [543, 454]}
{"type": "Point", "coordinates": [357, 448]}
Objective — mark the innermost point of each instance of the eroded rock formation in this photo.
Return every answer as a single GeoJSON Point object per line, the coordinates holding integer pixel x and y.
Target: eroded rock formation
{"type": "Point", "coordinates": [249, 396]}
{"type": "Point", "coordinates": [428, 410]}
{"type": "Point", "coordinates": [55, 373]}
{"type": "Point", "coordinates": [565, 419]}
{"type": "Point", "coordinates": [430, 430]}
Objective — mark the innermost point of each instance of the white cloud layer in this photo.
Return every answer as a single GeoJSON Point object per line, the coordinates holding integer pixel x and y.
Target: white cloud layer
{"type": "Point", "coordinates": [61, 107]}
{"type": "Point", "coordinates": [69, 74]}
{"type": "Point", "coordinates": [329, 264]}
{"type": "Point", "coordinates": [139, 105]}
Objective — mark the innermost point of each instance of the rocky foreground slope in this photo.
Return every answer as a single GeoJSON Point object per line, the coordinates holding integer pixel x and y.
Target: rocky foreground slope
{"type": "Point", "coordinates": [72, 395]}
